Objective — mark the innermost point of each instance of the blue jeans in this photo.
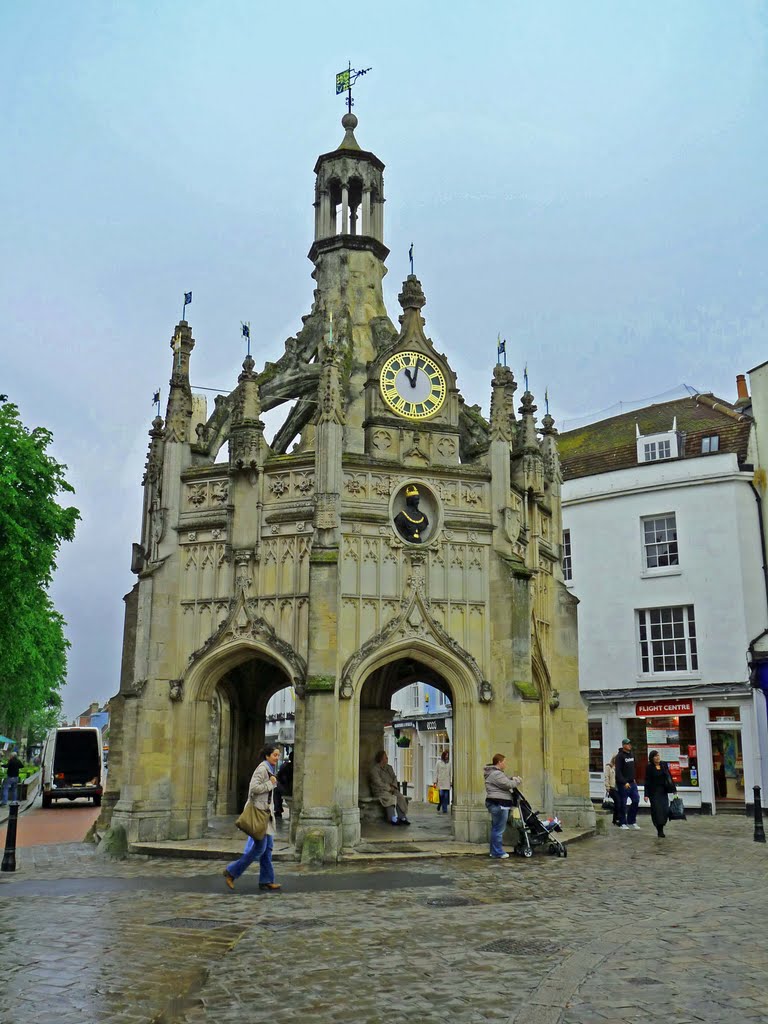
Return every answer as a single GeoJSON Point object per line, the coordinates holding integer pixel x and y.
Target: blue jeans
{"type": "Point", "coordinates": [445, 799]}
{"type": "Point", "coordinates": [628, 817]}
{"type": "Point", "coordinates": [255, 849]}
{"type": "Point", "coordinates": [499, 817]}
{"type": "Point", "coordinates": [11, 784]}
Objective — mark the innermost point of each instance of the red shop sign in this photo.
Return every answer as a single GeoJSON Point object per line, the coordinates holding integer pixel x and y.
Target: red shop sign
{"type": "Point", "coordinates": [652, 709]}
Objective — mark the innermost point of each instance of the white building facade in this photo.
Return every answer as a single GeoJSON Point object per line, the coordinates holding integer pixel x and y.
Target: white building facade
{"type": "Point", "coordinates": [662, 547]}
{"type": "Point", "coordinates": [421, 729]}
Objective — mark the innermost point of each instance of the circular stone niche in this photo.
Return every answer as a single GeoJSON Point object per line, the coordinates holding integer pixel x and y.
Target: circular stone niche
{"type": "Point", "coordinates": [405, 515]}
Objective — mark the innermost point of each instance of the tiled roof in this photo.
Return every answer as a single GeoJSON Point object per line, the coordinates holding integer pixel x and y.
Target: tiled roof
{"type": "Point", "coordinates": [611, 444]}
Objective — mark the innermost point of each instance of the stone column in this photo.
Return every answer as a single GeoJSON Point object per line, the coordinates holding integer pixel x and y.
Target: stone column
{"type": "Point", "coordinates": [366, 227]}
{"type": "Point", "coordinates": [344, 210]}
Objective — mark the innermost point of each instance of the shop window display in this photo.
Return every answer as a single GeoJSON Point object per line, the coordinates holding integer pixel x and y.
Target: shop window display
{"type": "Point", "coordinates": [675, 739]}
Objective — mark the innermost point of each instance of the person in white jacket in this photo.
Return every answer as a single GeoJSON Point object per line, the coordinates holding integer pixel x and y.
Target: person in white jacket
{"type": "Point", "coordinates": [443, 781]}
{"type": "Point", "coordinates": [499, 792]}
{"type": "Point", "coordinates": [260, 792]}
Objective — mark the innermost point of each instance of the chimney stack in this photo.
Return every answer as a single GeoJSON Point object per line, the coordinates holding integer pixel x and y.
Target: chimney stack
{"type": "Point", "coordinates": [741, 387]}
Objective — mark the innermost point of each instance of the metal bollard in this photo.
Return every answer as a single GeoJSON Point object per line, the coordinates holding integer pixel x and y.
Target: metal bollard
{"type": "Point", "coordinates": [9, 857]}
{"type": "Point", "coordinates": [759, 835]}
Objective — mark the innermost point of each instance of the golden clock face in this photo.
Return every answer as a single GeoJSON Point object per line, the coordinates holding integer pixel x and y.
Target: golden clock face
{"type": "Point", "coordinates": [413, 385]}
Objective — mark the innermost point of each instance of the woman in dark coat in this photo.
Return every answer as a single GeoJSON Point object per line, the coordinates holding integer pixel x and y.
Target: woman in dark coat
{"type": "Point", "coordinates": [658, 786]}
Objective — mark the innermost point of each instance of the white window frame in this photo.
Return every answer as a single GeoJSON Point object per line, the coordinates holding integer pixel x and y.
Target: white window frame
{"type": "Point", "coordinates": [710, 445]}
{"type": "Point", "coordinates": [667, 633]}
{"type": "Point", "coordinates": [659, 570]}
{"type": "Point", "coordinates": [567, 560]}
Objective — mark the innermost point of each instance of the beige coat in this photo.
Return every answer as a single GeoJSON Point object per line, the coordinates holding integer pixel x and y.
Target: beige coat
{"type": "Point", "coordinates": [383, 783]}
{"type": "Point", "coordinates": [610, 777]}
{"type": "Point", "coordinates": [260, 793]}
{"type": "Point", "coordinates": [443, 773]}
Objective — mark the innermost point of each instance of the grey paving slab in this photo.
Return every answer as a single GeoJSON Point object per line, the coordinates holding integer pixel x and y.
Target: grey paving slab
{"type": "Point", "coordinates": [626, 929]}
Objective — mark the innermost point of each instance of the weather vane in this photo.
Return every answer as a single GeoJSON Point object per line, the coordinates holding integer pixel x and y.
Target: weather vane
{"type": "Point", "coordinates": [346, 79]}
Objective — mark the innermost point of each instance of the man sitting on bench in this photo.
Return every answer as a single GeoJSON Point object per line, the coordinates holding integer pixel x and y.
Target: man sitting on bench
{"type": "Point", "coordinates": [385, 788]}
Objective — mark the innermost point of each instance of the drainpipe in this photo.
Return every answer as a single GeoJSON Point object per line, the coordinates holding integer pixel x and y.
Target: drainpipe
{"type": "Point", "coordinates": [759, 672]}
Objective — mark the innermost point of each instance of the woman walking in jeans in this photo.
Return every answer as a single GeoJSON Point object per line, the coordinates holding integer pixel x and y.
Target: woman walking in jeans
{"type": "Point", "coordinates": [260, 792]}
{"type": "Point", "coordinates": [499, 791]}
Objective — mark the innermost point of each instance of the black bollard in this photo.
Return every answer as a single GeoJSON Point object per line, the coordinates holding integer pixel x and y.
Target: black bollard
{"type": "Point", "coordinates": [9, 857]}
{"type": "Point", "coordinates": [759, 836]}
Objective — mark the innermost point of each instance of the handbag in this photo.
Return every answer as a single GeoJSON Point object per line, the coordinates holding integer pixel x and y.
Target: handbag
{"type": "Point", "coordinates": [433, 796]}
{"type": "Point", "coordinates": [254, 821]}
{"type": "Point", "coordinates": [608, 802]}
{"type": "Point", "coordinates": [676, 810]}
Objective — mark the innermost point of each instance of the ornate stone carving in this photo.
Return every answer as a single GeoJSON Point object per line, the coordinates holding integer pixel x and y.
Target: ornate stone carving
{"type": "Point", "coordinates": [485, 692]}
{"type": "Point", "coordinates": [197, 494]}
{"type": "Point", "coordinates": [415, 620]}
{"type": "Point", "coordinates": [278, 485]}
{"type": "Point", "coordinates": [242, 569]}
{"type": "Point", "coordinates": [326, 511]}
{"type": "Point", "coordinates": [304, 483]}
{"type": "Point", "coordinates": [355, 485]}
{"type": "Point", "coordinates": [176, 690]}
{"type": "Point", "coordinates": [137, 688]}
{"type": "Point", "coordinates": [447, 447]}
{"type": "Point", "coordinates": [382, 440]}
{"type": "Point", "coordinates": [243, 625]}
{"type": "Point", "coordinates": [219, 493]}
{"type": "Point", "coordinates": [382, 486]}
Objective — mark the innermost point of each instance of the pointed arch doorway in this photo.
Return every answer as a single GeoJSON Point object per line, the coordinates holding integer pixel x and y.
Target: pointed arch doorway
{"type": "Point", "coordinates": [375, 713]}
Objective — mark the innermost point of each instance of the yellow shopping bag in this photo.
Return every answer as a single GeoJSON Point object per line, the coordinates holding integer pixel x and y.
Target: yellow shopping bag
{"type": "Point", "coordinates": [433, 796]}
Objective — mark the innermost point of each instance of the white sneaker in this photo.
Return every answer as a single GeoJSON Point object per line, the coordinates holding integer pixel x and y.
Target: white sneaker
{"type": "Point", "coordinates": [501, 856]}
{"type": "Point", "coordinates": [625, 827]}
{"type": "Point", "coordinates": [636, 827]}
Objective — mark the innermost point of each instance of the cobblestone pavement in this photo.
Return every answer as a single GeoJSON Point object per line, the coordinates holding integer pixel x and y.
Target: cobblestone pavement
{"type": "Point", "coordinates": [628, 928]}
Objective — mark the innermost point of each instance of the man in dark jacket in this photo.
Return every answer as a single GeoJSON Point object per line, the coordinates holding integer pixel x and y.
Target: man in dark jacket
{"type": "Point", "coordinates": [11, 780]}
{"type": "Point", "coordinates": [626, 786]}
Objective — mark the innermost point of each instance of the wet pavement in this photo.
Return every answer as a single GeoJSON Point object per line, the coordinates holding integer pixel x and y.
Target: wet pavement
{"type": "Point", "coordinates": [627, 929]}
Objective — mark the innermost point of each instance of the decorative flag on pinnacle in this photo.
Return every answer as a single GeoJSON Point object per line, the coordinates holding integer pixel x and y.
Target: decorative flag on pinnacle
{"type": "Point", "coordinates": [343, 81]}
{"type": "Point", "coordinates": [246, 330]}
{"type": "Point", "coordinates": [546, 399]}
{"type": "Point", "coordinates": [501, 349]}
{"type": "Point", "coordinates": [187, 298]}
{"type": "Point", "coordinates": [525, 376]}
{"type": "Point", "coordinates": [156, 398]}
{"type": "Point", "coordinates": [410, 256]}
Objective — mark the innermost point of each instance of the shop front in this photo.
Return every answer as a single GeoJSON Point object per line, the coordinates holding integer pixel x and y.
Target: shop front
{"type": "Point", "coordinates": [414, 746]}
{"type": "Point", "coordinates": [706, 741]}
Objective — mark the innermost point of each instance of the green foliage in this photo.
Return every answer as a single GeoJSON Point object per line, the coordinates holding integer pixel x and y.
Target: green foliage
{"type": "Point", "coordinates": [33, 649]}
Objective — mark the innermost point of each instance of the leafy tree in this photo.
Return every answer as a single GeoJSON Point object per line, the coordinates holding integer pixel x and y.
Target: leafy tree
{"type": "Point", "coordinates": [33, 648]}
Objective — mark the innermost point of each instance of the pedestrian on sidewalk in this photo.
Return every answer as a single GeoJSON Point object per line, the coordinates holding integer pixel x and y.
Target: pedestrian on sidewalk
{"type": "Point", "coordinates": [610, 788]}
{"type": "Point", "coordinates": [658, 786]}
{"type": "Point", "coordinates": [499, 799]}
{"type": "Point", "coordinates": [260, 790]}
{"type": "Point", "coordinates": [13, 766]}
{"type": "Point", "coordinates": [443, 781]}
{"type": "Point", "coordinates": [626, 787]}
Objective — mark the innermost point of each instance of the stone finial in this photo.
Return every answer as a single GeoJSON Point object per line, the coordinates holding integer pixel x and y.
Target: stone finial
{"type": "Point", "coordinates": [178, 414]}
{"type": "Point", "coordinates": [412, 295]}
{"type": "Point", "coordinates": [527, 433]}
{"type": "Point", "coordinates": [549, 447]}
{"type": "Point", "coordinates": [246, 433]}
{"type": "Point", "coordinates": [349, 123]}
{"type": "Point", "coordinates": [503, 387]}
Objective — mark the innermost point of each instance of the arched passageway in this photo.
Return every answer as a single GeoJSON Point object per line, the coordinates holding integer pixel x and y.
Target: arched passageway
{"type": "Point", "coordinates": [412, 751]}
{"type": "Point", "coordinates": [239, 729]}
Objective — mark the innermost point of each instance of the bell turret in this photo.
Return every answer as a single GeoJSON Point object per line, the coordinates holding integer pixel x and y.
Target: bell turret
{"type": "Point", "coordinates": [349, 198]}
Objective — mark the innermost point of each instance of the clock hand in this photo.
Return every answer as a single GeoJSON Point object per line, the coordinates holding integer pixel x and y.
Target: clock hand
{"type": "Point", "coordinates": [411, 379]}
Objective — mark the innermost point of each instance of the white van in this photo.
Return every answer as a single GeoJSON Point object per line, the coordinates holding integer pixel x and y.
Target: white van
{"type": "Point", "coordinates": [72, 765]}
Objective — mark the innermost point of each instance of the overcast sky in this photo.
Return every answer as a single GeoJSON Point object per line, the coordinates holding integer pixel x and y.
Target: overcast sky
{"type": "Point", "coordinates": [587, 178]}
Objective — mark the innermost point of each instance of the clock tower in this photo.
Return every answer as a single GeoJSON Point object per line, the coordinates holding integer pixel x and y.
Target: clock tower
{"type": "Point", "coordinates": [386, 534]}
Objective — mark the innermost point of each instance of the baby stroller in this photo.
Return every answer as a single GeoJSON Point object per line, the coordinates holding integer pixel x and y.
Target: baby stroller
{"type": "Point", "coordinates": [533, 831]}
